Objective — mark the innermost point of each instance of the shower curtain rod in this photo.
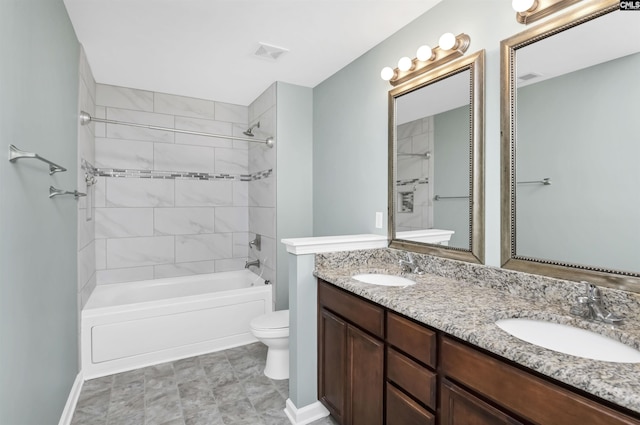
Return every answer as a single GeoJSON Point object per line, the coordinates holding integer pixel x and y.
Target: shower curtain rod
{"type": "Point", "coordinates": [86, 118]}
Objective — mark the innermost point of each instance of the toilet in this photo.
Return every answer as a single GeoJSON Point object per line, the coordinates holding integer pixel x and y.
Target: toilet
{"type": "Point", "coordinates": [272, 329]}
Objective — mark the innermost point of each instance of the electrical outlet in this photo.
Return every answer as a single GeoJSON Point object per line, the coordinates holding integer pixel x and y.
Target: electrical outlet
{"type": "Point", "coordinates": [378, 220]}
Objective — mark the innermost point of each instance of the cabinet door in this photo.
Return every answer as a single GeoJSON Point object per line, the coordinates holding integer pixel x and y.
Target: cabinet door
{"type": "Point", "coordinates": [365, 357]}
{"type": "Point", "coordinates": [458, 407]}
{"type": "Point", "coordinates": [332, 356]}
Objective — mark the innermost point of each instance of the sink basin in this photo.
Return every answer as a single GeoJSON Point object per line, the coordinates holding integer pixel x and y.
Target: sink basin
{"type": "Point", "coordinates": [383, 279]}
{"type": "Point", "coordinates": [570, 340]}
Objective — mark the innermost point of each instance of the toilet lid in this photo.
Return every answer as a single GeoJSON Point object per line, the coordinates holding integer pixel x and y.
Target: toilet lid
{"type": "Point", "coordinates": [275, 320]}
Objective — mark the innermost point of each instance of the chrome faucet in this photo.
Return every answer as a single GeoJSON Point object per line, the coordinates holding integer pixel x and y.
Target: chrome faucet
{"type": "Point", "coordinates": [410, 266]}
{"type": "Point", "coordinates": [590, 306]}
{"type": "Point", "coordinates": [248, 263]}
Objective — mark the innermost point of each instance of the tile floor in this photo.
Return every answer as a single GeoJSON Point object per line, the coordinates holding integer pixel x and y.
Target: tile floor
{"type": "Point", "coordinates": [223, 388]}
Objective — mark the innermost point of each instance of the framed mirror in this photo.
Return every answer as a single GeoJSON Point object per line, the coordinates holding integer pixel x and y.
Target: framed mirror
{"type": "Point", "coordinates": [571, 145]}
{"type": "Point", "coordinates": [436, 161]}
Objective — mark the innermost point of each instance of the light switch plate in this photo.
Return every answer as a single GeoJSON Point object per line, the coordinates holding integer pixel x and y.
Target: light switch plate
{"type": "Point", "coordinates": [378, 220]}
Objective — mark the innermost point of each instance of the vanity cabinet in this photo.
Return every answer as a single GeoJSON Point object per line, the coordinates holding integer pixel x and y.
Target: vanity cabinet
{"type": "Point", "coordinates": [350, 357]}
{"type": "Point", "coordinates": [515, 392]}
{"type": "Point", "coordinates": [378, 367]}
{"type": "Point", "coordinates": [411, 381]}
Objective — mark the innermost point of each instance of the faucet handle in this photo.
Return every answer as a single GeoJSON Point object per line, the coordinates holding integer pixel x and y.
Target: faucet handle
{"type": "Point", "coordinates": [581, 308]}
{"type": "Point", "coordinates": [592, 292]}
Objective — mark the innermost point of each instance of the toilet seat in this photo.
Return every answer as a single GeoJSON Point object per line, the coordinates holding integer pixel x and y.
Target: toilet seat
{"type": "Point", "coordinates": [271, 321]}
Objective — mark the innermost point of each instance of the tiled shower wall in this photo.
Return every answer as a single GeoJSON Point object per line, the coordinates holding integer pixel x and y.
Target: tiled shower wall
{"type": "Point", "coordinates": [415, 175]}
{"type": "Point", "coordinates": [86, 152]}
{"type": "Point", "coordinates": [262, 192]}
{"type": "Point", "coordinates": [182, 207]}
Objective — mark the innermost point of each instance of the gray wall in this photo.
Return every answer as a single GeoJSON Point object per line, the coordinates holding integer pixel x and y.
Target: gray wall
{"type": "Point", "coordinates": [294, 178]}
{"type": "Point", "coordinates": [38, 286]}
{"type": "Point", "coordinates": [578, 129]}
{"type": "Point", "coordinates": [451, 174]}
{"type": "Point", "coordinates": [350, 120]}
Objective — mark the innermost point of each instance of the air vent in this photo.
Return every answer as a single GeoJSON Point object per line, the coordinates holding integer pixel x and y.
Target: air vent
{"type": "Point", "coordinates": [270, 52]}
{"type": "Point", "coordinates": [529, 76]}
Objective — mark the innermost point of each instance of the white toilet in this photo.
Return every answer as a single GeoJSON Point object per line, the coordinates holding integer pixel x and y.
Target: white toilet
{"type": "Point", "coordinates": [272, 329]}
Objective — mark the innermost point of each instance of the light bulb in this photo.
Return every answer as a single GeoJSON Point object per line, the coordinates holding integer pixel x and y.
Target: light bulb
{"type": "Point", "coordinates": [405, 63]}
{"type": "Point", "coordinates": [447, 41]}
{"type": "Point", "coordinates": [424, 53]}
{"type": "Point", "coordinates": [522, 5]}
{"type": "Point", "coordinates": [387, 73]}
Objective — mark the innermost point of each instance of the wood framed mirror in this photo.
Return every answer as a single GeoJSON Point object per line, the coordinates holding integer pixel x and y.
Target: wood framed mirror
{"type": "Point", "coordinates": [570, 147]}
{"type": "Point", "coordinates": [436, 161]}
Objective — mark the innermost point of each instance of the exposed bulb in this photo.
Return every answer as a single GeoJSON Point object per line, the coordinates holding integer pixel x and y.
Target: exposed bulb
{"type": "Point", "coordinates": [522, 5]}
{"type": "Point", "coordinates": [405, 63]}
{"type": "Point", "coordinates": [387, 73]}
{"type": "Point", "coordinates": [424, 53]}
{"type": "Point", "coordinates": [447, 41]}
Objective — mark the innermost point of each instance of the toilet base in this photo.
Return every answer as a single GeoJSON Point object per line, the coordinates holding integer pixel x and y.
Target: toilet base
{"type": "Point", "coordinates": [277, 366]}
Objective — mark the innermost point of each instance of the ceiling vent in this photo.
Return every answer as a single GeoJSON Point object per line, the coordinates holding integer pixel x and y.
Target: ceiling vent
{"type": "Point", "coordinates": [529, 76]}
{"type": "Point", "coordinates": [270, 52]}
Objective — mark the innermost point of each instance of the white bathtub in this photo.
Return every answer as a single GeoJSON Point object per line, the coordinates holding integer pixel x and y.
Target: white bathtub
{"type": "Point", "coordinates": [125, 326]}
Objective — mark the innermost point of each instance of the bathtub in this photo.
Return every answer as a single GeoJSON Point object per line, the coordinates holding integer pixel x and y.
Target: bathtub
{"type": "Point", "coordinates": [125, 326]}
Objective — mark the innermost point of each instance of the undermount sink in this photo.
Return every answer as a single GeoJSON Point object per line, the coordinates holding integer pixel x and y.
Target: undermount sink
{"type": "Point", "coordinates": [383, 279]}
{"type": "Point", "coordinates": [570, 340]}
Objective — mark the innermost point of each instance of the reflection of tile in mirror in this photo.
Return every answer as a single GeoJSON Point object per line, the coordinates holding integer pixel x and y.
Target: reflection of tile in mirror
{"type": "Point", "coordinates": [406, 202]}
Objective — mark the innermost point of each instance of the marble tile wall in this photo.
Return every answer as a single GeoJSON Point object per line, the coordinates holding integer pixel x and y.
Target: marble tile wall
{"type": "Point", "coordinates": [262, 192]}
{"type": "Point", "coordinates": [414, 173]}
{"type": "Point", "coordinates": [148, 228]}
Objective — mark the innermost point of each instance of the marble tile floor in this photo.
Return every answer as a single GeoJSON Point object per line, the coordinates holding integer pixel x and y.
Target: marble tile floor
{"type": "Point", "coordinates": [222, 388]}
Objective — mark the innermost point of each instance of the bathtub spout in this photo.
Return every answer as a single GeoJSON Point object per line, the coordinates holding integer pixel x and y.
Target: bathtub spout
{"type": "Point", "coordinates": [248, 263]}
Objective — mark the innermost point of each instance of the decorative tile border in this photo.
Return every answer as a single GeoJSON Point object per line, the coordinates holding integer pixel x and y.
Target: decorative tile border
{"type": "Point", "coordinates": [171, 175]}
{"type": "Point", "coordinates": [423, 180]}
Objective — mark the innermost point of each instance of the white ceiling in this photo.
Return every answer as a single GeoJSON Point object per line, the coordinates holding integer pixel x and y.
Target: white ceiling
{"type": "Point", "coordinates": [205, 48]}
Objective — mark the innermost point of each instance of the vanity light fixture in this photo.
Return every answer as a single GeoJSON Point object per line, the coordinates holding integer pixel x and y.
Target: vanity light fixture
{"type": "Point", "coordinates": [447, 41]}
{"type": "Point", "coordinates": [451, 47]}
{"type": "Point", "coordinates": [528, 11]}
{"type": "Point", "coordinates": [424, 53]}
{"type": "Point", "coordinates": [521, 6]}
{"type": "Point", "coordinates": [405, 63]}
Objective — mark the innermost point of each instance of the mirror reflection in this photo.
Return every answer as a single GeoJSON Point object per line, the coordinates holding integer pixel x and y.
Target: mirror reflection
{"type": "Point", "coordinates": [432, 151]}
{"type": "Point", "coordinates": [576, 145]}
{"type": "Point", "coordinates": [436, 161]}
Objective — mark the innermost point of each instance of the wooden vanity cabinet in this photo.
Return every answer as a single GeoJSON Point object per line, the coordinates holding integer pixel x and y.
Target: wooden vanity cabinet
{"type": "Point", "coordinates": [516, 394]}
{"type": "Point", "coordinates": [429, 373]}
{"type": "Point", "coordinates": [350, 357]}
{"type": "Point", "coordinates": [411, 387]}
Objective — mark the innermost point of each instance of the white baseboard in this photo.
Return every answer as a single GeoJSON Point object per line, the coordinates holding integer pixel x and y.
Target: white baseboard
{"type": "Point", "coordinates": [306, 414]}
{"type": "Point", "coordinates": [70, 407]}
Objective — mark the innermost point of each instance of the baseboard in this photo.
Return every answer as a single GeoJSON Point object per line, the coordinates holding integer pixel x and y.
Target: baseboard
{"type": "Point", "coordinates": [70, 407]}
{"type": "Point", "coordinates": [306, 414]}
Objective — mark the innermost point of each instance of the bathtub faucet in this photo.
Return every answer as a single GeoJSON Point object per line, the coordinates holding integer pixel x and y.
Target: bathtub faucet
{"type": "Point", "coordinates": [248, 263]}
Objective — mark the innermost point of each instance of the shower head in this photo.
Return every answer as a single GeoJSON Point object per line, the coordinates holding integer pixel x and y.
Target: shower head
{"type": "Point", "coordinates": [249, 131]}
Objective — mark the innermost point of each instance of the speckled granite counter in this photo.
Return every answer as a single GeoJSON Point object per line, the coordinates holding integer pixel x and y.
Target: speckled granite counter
{"type": "Point", "coordinates": [465, 300]}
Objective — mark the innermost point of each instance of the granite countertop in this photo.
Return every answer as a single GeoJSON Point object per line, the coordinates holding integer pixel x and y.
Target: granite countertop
{"type": "Point", "coordinates": [469, 311]}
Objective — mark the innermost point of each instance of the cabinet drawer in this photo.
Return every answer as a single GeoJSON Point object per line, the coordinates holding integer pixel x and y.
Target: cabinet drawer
{"type": "Point", "coordinates": [412, 338]}
{"type": "Point", "coordinates": [524, 394]}
{"type": "Point", "coordinates": [364, 314]}
{"type": "Point", "coordinates": [401, 410]}
{"type": "Point", "coordinates": [412, 377]}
